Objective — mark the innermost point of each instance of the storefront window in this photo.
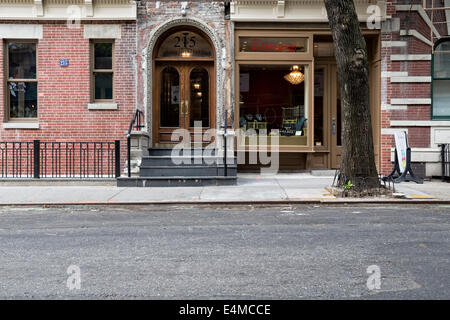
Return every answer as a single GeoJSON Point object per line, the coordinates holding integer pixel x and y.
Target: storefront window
{"type": "Point", "coordinates": [441, 80]}
{"type": "Point", "coordinates": [273, 101]}
{"type": "Point", "coordinates": [22, 81]}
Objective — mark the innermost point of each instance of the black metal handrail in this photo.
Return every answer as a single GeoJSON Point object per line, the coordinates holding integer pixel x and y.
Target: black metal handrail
{"type": "Point", "coordinates": [136, 124]}
{"type": "Point", "coordinates": [69, 160]}
{"type": "Point", "coordinates": [225, 128]}
{"type": "Point", "coordinates": [445, 161]}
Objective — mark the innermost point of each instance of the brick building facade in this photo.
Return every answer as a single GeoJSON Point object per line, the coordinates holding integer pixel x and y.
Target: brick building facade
{"type": "Point", "coordinates": [76, 101]}
{"type": "Point", "coordinates": [408, 38]}
{"type": "Point", "coordinates": [66, 110]}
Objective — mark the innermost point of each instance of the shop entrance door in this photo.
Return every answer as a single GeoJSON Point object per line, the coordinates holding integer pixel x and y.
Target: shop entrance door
{"type": "Point", "coordinates": [336, 120]}
{"type": "Point", "coordinates": [327, 116]}
{"type": "Point", "coordinates": [184, 98]}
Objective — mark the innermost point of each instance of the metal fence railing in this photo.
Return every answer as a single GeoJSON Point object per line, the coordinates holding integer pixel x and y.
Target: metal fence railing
{"type": "Point", "coordinates": [72, 160]}
{"type": "Point", "coordinates": [445, 161]}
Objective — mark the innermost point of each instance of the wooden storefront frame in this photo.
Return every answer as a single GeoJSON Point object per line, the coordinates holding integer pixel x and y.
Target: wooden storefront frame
{"type": "Point", "coordinates": [279, 58]}
{"type": "Point", "coordinates": [307, 58]}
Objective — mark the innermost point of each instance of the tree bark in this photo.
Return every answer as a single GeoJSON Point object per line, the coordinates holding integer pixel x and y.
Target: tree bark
{"type": "Point", "coordinates": [358, 157]}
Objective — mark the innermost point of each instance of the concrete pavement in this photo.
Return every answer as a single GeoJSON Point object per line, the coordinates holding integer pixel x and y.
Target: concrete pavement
{"type": "Point", "coordinates": [251, 188]}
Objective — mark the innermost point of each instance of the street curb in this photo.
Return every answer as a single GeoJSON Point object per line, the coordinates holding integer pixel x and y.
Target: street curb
{"type": "Point", "coordinates": [223, 203]}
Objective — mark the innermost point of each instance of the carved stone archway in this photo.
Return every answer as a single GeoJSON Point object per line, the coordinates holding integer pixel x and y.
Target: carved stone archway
{"type": "Point", "coordinates": [148, 75]}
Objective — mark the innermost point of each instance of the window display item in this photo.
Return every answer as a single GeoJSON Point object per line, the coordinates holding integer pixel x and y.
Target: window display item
{"type": "Point", "coordinates": [301, 123]}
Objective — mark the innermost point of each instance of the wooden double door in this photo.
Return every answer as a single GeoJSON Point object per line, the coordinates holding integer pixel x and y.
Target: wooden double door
{"type": "Point", "coordinates": [184, 98]}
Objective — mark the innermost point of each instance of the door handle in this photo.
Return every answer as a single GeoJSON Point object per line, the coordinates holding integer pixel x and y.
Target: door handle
{"type": "Point", "coordinates": [186, 111]}
{"type": "Point", "coordinates": [182, 107]}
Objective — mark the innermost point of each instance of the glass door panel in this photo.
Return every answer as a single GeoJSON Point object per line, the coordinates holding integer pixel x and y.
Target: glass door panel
{"type": "Point", "coordinates": [319, 106]}
{"type": "Point", "coordinates": [170, 98]}
{"type": "Point", "coordinates": [199, 97]}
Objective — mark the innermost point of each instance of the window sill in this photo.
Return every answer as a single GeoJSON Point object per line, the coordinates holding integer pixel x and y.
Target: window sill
{"type": "Point", "coordinates": [21, 125]}
{"type": "Point", "coordinates": [102, 106]}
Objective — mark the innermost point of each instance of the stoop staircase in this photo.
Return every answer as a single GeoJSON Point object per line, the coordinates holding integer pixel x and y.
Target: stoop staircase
{"type": "Point", "coordinates": [188, 168]}
{"type": "Point", "coordinates": [160, 167]}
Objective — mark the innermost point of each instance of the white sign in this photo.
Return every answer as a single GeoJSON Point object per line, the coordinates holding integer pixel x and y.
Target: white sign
{"type": "Point", "coordinates": [402, 146]}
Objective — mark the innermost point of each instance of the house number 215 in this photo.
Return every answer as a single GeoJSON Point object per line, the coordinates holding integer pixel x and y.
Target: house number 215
{"type": "Point", "coordinates": [185, 41]}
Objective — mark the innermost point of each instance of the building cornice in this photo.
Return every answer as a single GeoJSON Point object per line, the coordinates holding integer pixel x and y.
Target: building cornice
{"type": "Point", "coordinates": [297, 10]}
{"type": "Point", "coordinates": [70, 10]}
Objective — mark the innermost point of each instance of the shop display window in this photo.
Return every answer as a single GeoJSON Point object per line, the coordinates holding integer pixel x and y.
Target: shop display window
{"type": "Point", "coordinates": [273, 101]}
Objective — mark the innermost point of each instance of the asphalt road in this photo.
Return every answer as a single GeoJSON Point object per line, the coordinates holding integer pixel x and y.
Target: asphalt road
{"type": "Point", "coordinates": [171, 252]}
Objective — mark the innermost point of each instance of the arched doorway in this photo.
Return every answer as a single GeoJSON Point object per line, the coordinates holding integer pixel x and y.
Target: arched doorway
{"type": "Point", "coordinates": [183, 84]}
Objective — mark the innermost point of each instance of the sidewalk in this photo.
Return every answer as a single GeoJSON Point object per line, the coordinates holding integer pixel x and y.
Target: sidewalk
{"type": "Point", "coordinates": [251, 189]}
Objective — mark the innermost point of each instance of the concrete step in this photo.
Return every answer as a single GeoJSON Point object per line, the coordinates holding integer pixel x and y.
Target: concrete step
{"type": "Point", "coordinates": [176, 181]}
{"type": "Point", "coordinates": [184, 161]}
{"type": "Point", "coordinates": [186, 171]}
{"type": "Point", "coordinates": [323, 173]}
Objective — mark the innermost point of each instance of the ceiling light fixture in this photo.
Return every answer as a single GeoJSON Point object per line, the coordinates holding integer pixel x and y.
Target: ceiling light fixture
{"type": "Point", "coordinates": [295, 77]}
{"type": "Point", "coordinates": [186, 53]}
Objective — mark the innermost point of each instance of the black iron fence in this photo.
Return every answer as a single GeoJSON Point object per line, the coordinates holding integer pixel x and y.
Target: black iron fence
{"type": "Point", "coordinates": [445, 161]}
{"type": "Point", "coordinates": [72, 160]}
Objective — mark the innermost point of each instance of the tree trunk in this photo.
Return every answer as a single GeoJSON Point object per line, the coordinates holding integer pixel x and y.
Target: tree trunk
{"type": "Point", "coordinates": [358, 157]}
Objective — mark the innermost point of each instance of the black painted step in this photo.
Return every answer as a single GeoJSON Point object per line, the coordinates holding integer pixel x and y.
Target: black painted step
{"type": "Point", "coordinates": [186, 171]}
{"type": "Point", "coordinates": [176, 181]}
{"type": "Point", "coordinates": [185, 161]}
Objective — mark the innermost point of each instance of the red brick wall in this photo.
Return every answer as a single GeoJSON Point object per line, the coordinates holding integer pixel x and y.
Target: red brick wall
{"type": "Point", "coordinates": [419, 137]}
{"type": "Point", "coordinates": [64, 92]}
{"type": "Point", "coordinates": [410, 90]}
{"type": "Point", "coordinates": [414, 68]}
